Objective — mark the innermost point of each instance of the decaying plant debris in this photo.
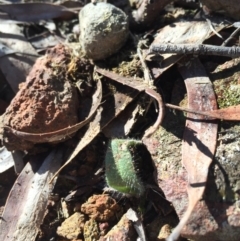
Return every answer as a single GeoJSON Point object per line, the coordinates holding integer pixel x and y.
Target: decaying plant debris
{"type": "Point", "coordinates": [162, 89]}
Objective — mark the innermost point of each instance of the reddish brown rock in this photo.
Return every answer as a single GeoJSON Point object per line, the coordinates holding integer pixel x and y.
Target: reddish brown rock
{"type": "Point", "coordinates": [48, 101]}
{"type": "Point", "coordinates": [123, 231]}
{"type": "Point", "coordinates": [100, 207]}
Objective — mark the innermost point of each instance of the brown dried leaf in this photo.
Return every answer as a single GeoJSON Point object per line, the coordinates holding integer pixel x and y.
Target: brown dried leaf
{"type": "Point", "coordinates": [45, 40]}
{"type": "Point", "coordinates": [131, 82]}
{"type": "Point", "coordinates": [6, 159]}
{"type": "Point", "coordinates": [16, 66]}
{"type": "Point", "coordinates": [109, 110]}
{"type": "Point", "coordinates": [230, 8]}
{"type": "Point", "coordinates": [27, 201]}
{"type": "Point", "coordinates": [4, 50]}
{"type": "Point", "coordinates": [36, 11]}
{"type": "Point", "coordinates": [121, 126]}
{"type": "Point", "coordinates": [92, 131]}
{"type": "Point", "coordinates": [137, 85]}
{"type": "Point", "coordinates": [147, 12]}
{"type": "Point", "coordinates": [200, 137]}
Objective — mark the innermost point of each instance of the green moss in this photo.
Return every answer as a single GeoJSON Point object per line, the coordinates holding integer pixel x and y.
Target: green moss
{"type": "Point", "coordinates": [228, 96]}
{"type": "Point", "coordinates": [120, 163]}
{"type": "Point", "coordinates": [226, 84]}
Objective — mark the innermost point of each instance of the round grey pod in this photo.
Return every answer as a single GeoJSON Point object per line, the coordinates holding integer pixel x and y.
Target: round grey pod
{"type": "Point", "coordinates": [103, 30]}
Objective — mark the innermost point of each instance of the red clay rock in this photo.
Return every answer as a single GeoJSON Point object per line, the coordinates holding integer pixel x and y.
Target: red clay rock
{"type": "Point", "coordinates": [123, 231]}
{"type": "Point", "coordinates": [48, 101]}
{"type": "Point", "coordinates": [100, 207]}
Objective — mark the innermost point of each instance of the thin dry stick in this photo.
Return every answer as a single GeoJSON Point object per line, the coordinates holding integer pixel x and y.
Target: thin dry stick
{"type": "Point", "coordinates": [199, 49]}
{"type": "Point", "coordinates": [196, 112]}
{"type": "Point", "coordinates": [230, 37]}
{"type": "Point", "coordinates": [212, 28]}
{"type": "Point", "coordinates": [146, 72]}
{"type": "Point", "coordinates": [147, 77]}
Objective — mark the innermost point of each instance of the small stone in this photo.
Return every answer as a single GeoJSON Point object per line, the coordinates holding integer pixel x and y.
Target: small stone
{"type": "Point", "coordinates": [65, 209]}
{"type": "Point", "coordinates": [103, 30]}
{"type": "Point", "coordinates": [103, 227]}
{"type": "Point", "coordinates": [72, 227]}
{"type": "Point", "coordinates": [91, 231]}
{"type": "Point", "coordinates": [164, 232]}
{"type": "Point", "coordinates": [123, 231]}
{"type": "Point", "coordinates": [100, 207]}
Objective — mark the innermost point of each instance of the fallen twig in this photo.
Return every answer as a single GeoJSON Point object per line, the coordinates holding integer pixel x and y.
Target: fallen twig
{"type": "Point", "coordinates": [230, 113]}
{"type": "Point", "coordinates": [200, 49]}
{"type": "Point", "coordinates": [231, 37]}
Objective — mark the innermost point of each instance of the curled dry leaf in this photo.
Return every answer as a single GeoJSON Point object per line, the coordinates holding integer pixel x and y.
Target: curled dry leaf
{"type": "Point", "coordinates": [137, 85]}
{"type": "Point", "coordinates": [4, 50]}
{"type": "Point", "coordinates": [16, 67]}
{"type": "Point", "coordinates": [27, 201]}
{"type": "Point", "coordinates": [112, 106]}
{"type": "Point", "coordinates": [161, 108]}
{"type": "Point", "coordinates": [199, 139]}
{"type": "Point", "coordinates": [6, 159]}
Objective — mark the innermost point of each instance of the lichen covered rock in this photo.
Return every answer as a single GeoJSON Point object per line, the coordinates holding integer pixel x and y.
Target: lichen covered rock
{"type": "Point", "coordinates": [91, 231]}
{"type": "Point", "coordinates": [103, 30]}
{"type": "Point", "coordinates": [72, 227]}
